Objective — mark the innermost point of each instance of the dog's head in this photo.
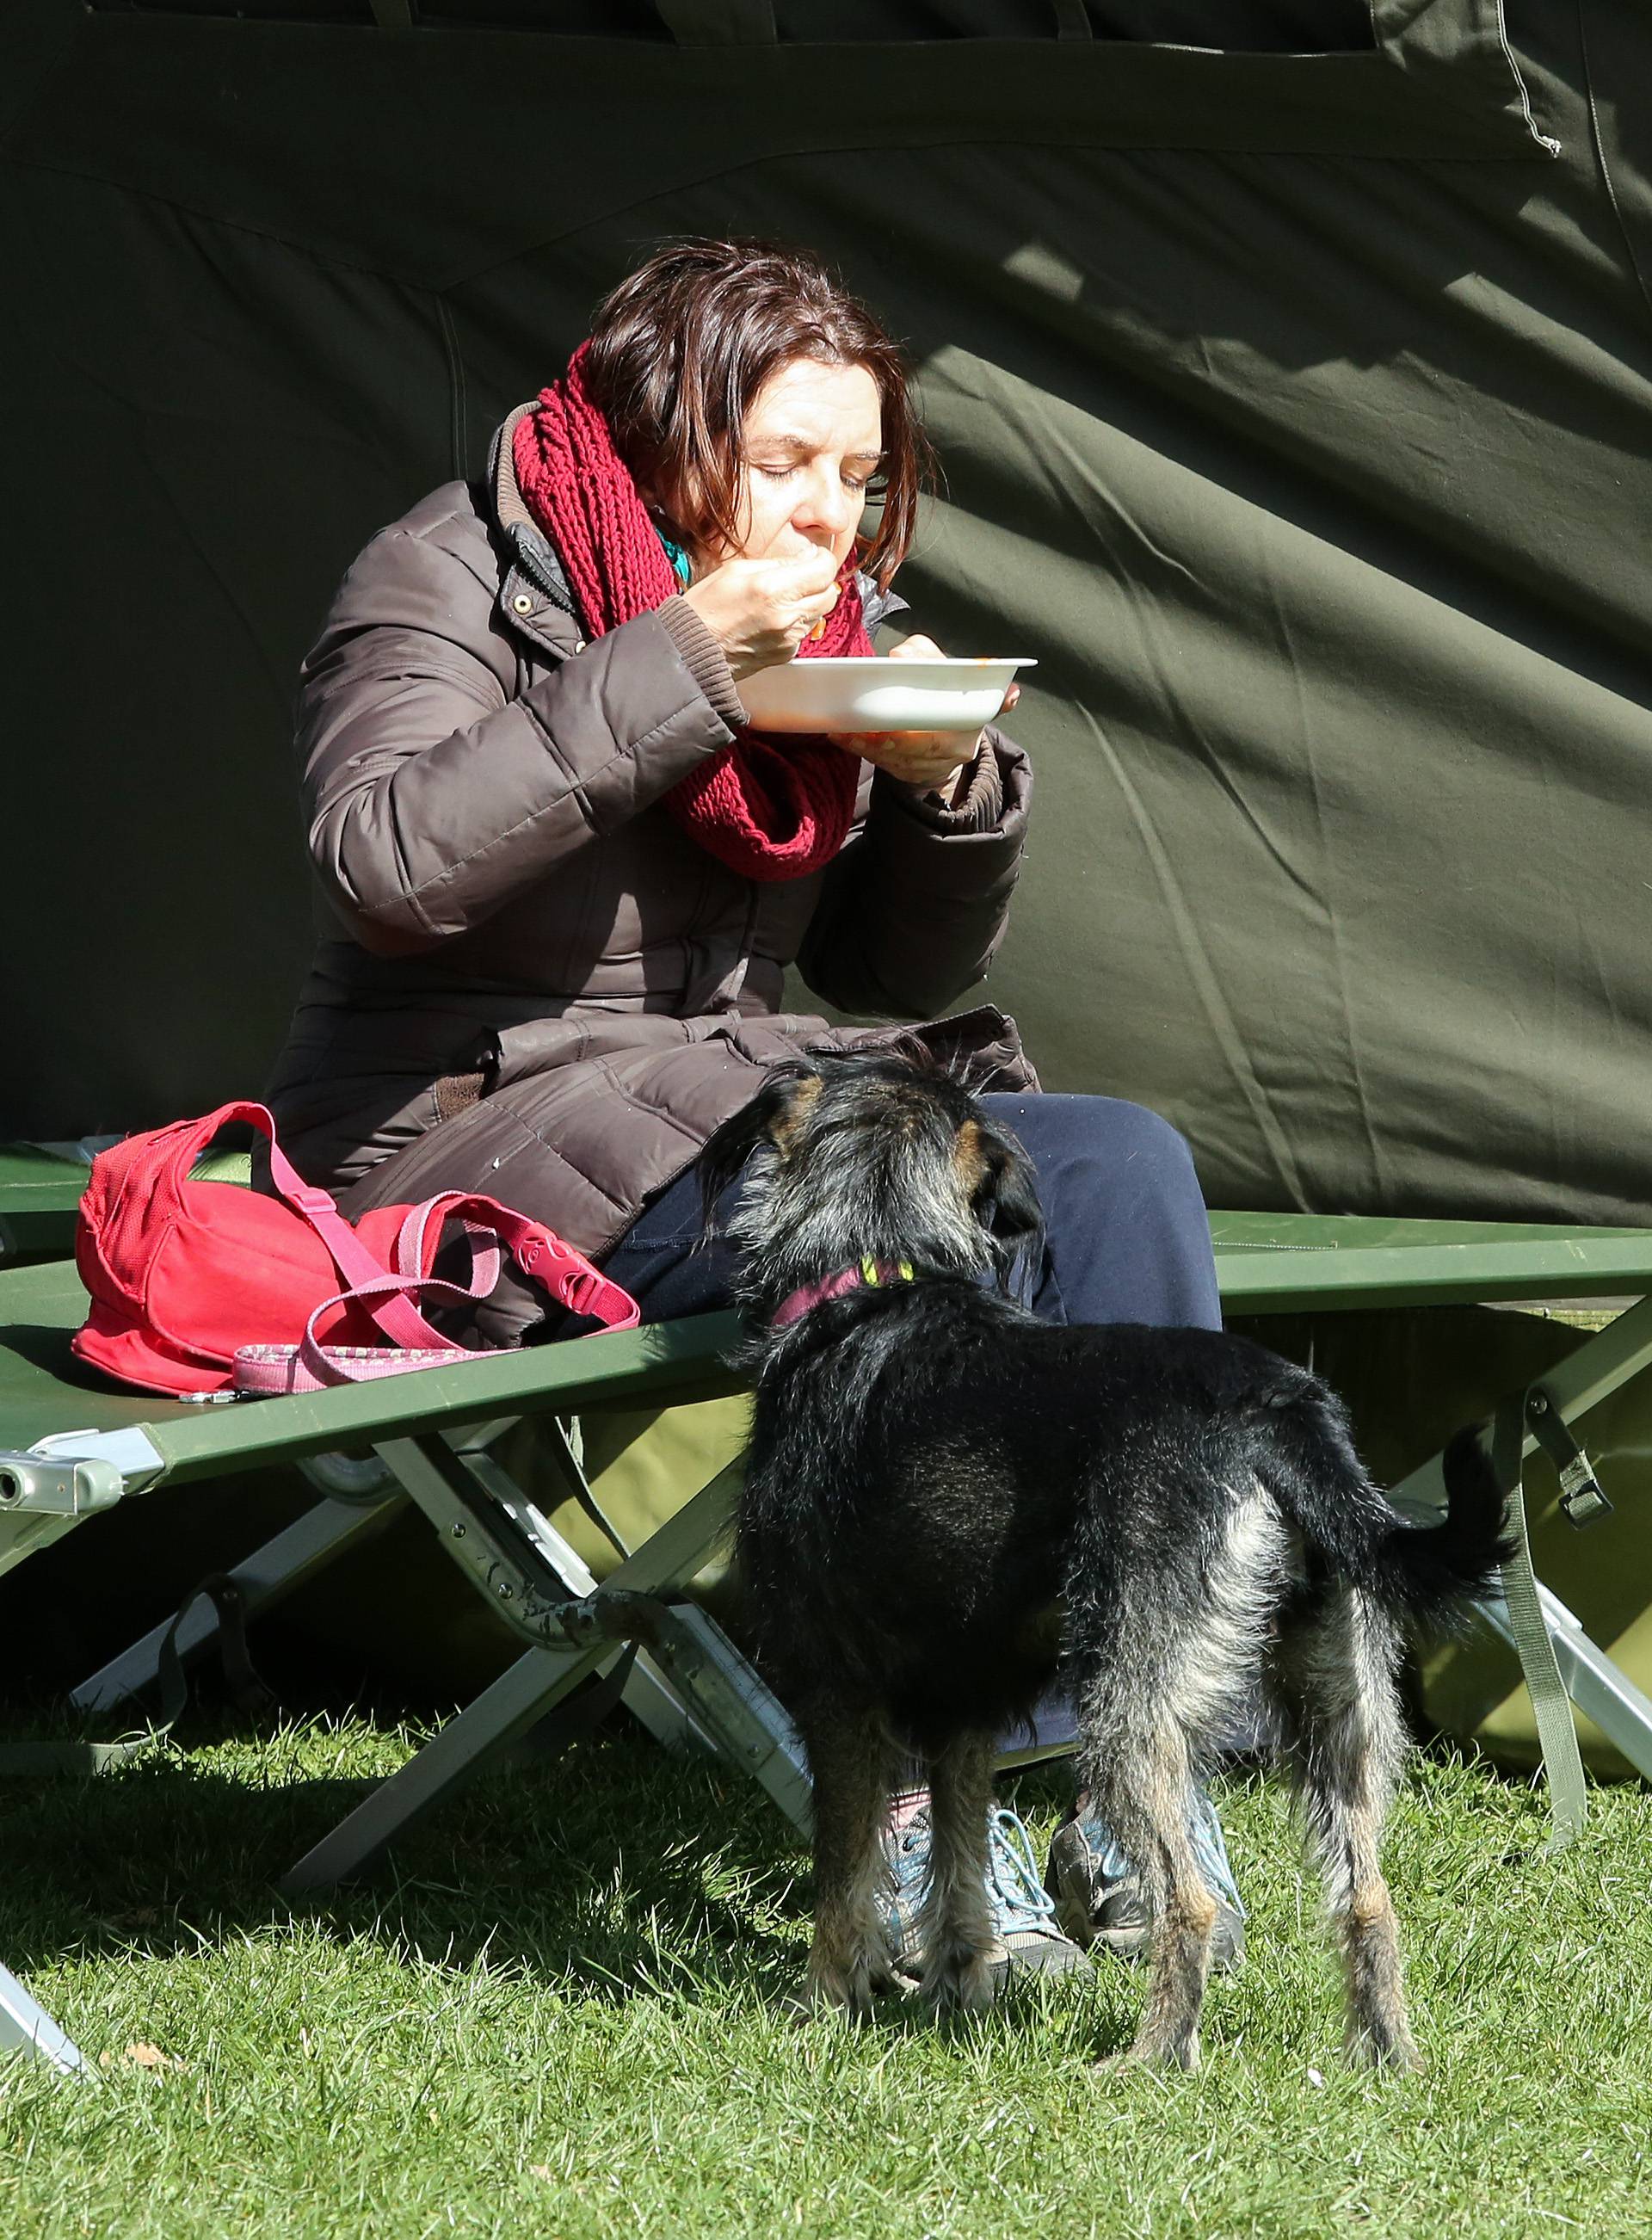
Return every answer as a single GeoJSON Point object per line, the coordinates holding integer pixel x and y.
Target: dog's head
{"type": "Point", "coordinates": [879, 1154]}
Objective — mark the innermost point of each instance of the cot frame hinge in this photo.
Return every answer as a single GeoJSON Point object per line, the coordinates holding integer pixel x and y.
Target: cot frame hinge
{"type": "Point", "coordinates": [1581, 1495]}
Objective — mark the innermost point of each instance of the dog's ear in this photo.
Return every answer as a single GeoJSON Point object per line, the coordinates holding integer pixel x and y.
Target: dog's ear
{"type": "Point", "coordinates": [773, 1116]}
{"type": "Point", "coordinates": [1006, 1198]}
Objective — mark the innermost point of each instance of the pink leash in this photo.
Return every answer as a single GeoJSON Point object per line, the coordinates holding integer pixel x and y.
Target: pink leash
{"type": "Point", "coordinates": [311, 1367]}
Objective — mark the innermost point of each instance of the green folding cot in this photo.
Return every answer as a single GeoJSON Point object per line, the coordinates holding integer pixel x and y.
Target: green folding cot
{"type": "Point", "coordinates": [70, 1448]}
{"type": "Point", "coordinates": [40, 1187]}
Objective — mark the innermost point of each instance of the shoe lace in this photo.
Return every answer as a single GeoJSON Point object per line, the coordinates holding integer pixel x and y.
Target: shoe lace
{"type": "Point", "coordinates": [1112, 1867]}
{"type": "Point", "coordinates": [1019, 1901]}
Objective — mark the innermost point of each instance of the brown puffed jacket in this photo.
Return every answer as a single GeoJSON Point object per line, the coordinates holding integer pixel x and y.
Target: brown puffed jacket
{"type": "Point", "coordinates": [528, 979]}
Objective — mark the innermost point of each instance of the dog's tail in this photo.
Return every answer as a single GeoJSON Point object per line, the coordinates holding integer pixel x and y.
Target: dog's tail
{"type": "Point", "coordinates": [1422, 1572]}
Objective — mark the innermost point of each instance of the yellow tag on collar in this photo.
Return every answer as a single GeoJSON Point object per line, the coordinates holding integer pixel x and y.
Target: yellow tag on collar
{"type": "Point", "coordinates": [870, 1276]}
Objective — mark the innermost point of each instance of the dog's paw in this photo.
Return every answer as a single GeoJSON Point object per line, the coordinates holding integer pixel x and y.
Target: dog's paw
{"type": "Point", "coordinates": [1182, 2053]}
{"type": "Point", "coordinates": [1392, 2049]}
{"type": "Point", "coordinates": [852, 1992]}
{"type": "Point", "coordinates": [964, 1983]}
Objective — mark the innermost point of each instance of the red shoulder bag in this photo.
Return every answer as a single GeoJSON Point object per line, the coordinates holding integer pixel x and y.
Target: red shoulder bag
{"type": "Point", "coordinates": [204, 1287]}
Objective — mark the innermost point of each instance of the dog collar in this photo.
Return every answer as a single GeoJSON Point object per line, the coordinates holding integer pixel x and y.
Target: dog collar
{"type": "Point", "coordinates": [868, 1273]}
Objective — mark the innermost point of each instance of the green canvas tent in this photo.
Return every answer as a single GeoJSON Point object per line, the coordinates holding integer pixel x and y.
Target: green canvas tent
{"type": "Point", "coordinates": [1291, 364]}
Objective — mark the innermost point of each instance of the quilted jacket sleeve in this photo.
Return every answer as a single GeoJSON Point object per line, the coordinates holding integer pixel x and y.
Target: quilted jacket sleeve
{"type": "Point", "coordinates": [913, 908]}
{"type": "Point", "coordinates": [432, 794]}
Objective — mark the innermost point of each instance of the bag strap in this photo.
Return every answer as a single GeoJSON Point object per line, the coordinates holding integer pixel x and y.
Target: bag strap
{"type": "Point", "coordinates": [396, 1315]}
{"type": "Point", "coordinates": [548, 1259]}
{"type": "Point", "coordinates": [421, 1234]}
{"type": "Point", "coordinates": [555, 1266]}
{"type": "Point", "coordinates": [187, 1139]}
{"type": "Point", "coordinates": [311, 1367]}
{"type": "Point", "coordinates": [394, 1312]}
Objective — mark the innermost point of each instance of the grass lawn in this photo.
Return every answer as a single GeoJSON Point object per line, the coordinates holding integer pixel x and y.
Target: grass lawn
{"type": "Point", "coordinates": [560, 2017]}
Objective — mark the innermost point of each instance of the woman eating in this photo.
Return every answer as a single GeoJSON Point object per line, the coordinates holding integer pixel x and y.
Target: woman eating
{"type": "Point", "coordinates": [562, 878]}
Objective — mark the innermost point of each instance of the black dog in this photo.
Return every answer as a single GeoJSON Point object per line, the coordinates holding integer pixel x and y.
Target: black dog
{"type": "Point", "coordinates": [934, 1472]}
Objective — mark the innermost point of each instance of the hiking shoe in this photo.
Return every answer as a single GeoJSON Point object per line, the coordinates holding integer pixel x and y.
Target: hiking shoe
{"type": "Point", "coordinates": [906, 1847]}
{"type": "Point", "coordinates": [1098, 1896]}
{"type": "Point", "coordinates": [1023, 1914]}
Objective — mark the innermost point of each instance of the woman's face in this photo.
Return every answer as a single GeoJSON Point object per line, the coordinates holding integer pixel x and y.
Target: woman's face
{"type": "Point", "coordinates": [812, 441]}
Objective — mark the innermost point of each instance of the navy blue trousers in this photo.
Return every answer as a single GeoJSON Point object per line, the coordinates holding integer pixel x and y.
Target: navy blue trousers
{"type": "Point", "coordinates": [1126, 1237]}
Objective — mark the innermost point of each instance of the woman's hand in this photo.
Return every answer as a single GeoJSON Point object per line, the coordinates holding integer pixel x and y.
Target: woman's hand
{"type": "Point", "coordinates": [760, 611]}
{"type": "Point", "coordinates": [927, 760]}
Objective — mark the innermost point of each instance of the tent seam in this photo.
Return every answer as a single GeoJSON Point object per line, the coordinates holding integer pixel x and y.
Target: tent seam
{"type": "Point", "coordinates": [1599, 158]}
{"type": "Point", "coordinates": [1531, 152]}
{"type": "Point", "coordinates": [455, 381]}
{"type": "Point", "coordinates": [441, 286]}
{"type": "Point", "coordinates": [1542, 138]}
{"type": "Point", "coordinates": [415, 285]}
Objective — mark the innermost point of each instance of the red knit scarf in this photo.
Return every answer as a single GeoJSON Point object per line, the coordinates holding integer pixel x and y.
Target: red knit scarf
{"type": "Point", "coordinates": [769, 808]}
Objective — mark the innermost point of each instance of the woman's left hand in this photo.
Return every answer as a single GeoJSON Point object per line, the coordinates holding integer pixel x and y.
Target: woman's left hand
{"type": "Point", "coordinates": [927, 760]}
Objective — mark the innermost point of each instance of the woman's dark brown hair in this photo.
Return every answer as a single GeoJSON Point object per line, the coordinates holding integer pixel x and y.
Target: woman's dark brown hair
{"type": "Point", "coordinates": [679, 350]}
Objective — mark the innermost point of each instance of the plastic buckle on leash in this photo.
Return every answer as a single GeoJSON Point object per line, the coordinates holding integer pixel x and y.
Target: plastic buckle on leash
{"type": "Point", "coordinates": [1580, 1490]}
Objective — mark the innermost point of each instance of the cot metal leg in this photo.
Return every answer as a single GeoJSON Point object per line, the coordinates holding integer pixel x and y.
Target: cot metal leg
{"type": "Point", "coordinates": [690, 1683]}
{"type": "Point", "coordinates": [498, 1551]}
{"type": "Point", "coordinates": [1614, 1356]}
{"type": "Point", "coordinates": [746, 1720]}
{"type": "Point", "coordinates": [1599, 1688]}
{"type": "Point", "coordinates": [535, 1684]}
{"type": "Point", "coordinates": [265, 1578]}
{"type": "Point", "coordinates": [648, 1695]}
{"type": "Point", "coordinates": [711, 1697]}
{"type": "Point", "coordinates": [25, 2027]}
{"type": "Point", "coordinates": [699, 1660]}
{"type": "Point", "coordinates": [27, 1536]}
{"type": "Point", "coordinates": [331, 1531]}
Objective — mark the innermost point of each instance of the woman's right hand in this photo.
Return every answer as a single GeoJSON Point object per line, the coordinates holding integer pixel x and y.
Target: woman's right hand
{"type": "Point", "coordinates": [760, 611]}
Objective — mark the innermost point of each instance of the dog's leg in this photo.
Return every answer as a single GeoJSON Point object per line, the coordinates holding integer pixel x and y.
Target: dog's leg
{"type": "Point", "coordinates": [1160, 1669]}
{"type": "Point", "coordinates": [1143, 1789]}
{"type": "Point", "coordinates": [853, 1766]}
{"type": "Point", "coordinates": [1333, 1670]}
{"type": "Point", "coordinates": [959, 1946]}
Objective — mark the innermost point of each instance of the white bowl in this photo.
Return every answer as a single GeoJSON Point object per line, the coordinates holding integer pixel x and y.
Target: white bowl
{"type": "Point", "coordinates": [853, 694]}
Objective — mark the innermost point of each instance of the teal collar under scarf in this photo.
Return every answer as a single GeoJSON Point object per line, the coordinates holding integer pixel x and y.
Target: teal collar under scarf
{"type": "Point", "coordinates": [678, 558]}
